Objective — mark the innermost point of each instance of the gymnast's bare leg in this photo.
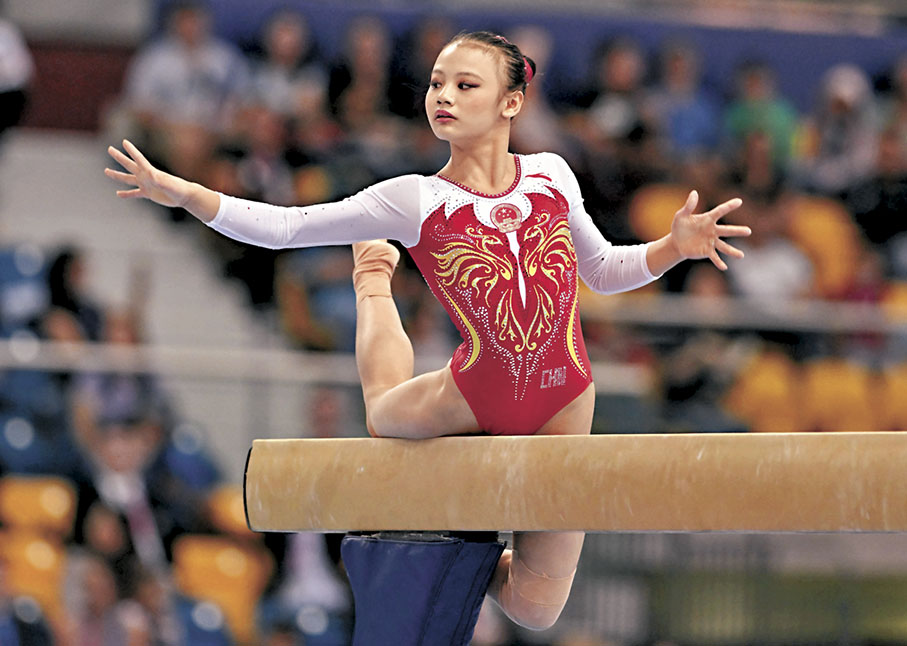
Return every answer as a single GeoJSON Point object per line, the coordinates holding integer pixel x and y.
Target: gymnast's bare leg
{"type": "Point", "coordinates": [533, 580]}
{"type": "Point", "coordinates": [396, 403]}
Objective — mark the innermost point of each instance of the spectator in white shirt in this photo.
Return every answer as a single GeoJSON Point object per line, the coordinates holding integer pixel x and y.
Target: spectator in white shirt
{"type": "Point", "coordinates": [16, 70]}
{"type": "Point", "coordinates": [183, 90]}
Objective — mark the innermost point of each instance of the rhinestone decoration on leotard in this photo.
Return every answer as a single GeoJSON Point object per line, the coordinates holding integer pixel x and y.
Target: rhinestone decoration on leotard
{"type": "Point", "coordinates": [516, 181]}
{"type": "Point", "coordinates": [476, 267]}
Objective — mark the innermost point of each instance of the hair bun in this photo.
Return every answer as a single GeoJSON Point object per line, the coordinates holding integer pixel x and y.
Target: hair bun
{"type": "Point", "coordinates": [529, 64]}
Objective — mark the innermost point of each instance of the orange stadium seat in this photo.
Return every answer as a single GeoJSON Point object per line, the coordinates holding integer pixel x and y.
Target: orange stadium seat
{"type": "Point", "coordinates": [40, 503]}
{"type": "Point", "coordinates": [766, 395]}
{"type": "Point", "coordinates": [894, 301]}
{"type": "Point", "coordinates": [652, 209]}
{"type": "Point", "coordinates": [227, 511]}
{"type": "Point", "coordinates": [838, 396]}
{"type": "Point", "coordinates": [825, 231]}
{"type": "Point", "coordinates": [891, 398]}
{"type": "Point", "coordinates": [36, 568]}
{"type": "Point", "coordinates": [228, 572]}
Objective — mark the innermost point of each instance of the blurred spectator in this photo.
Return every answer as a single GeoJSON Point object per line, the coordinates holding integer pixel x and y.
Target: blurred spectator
{"type": "Point", "coordinates": [61, 327]}
{"type": "Point", "coordinates": [263, 170]}
{"type": "Point", "coordinates": [96, 616]}
{"type": "Point", "coordinates": [879, 202]}
{"type": "Point", "coordinates": [418, 149]}
{"type": "Point", "coordinates": [429, 328]}
{"type": "Point", "coordinates": [757, 109]}
{"type": "Point", "coordinates": [696, 373]}
{"type": "Point", "coordinates": [359, 82]}
{"type": "Point", "coordinates": [288, 79]}
{"type": "Point", "coordinates": [412, 65]}
{"type": "Point", "coordinates": [869, 285]}
{"type": "Point", "coordinates": [122, 422]}
{"type": "Point", "coordinates": [21, 620]}
{"type": "Point", "coordinates": [774, 268]}
{"type": "Point", "coordinates": [359, 95]}
{"type": "Point", "coordinates": [68, 291]}
{"type": "Point", "coordinates": [155, 597]}
{"type": "Point", "coordinates": [16, 69]}
{"type": "Point", "coordinates": [118, 460]}
{"type": "Point", "coordinates": [313, 596]}
{"type": "Point", "coordinates": [893, 105]}
{"type": "Point", "coordinates": [537, 128]}
{"type": "Point", "coordinates": [103, 398]}
{"type": "Point", "coordinates": [226, 172]}
{"type": "Point", "coordinates": [316, 298]}
{"type": "Point", "coordinates": [185, 463]}
{"type": "Point", "coordinates": [104, 534]}
{"type": "Point", "coordinates": [685, 116]}
{"type": "Point", "coordinates": [617, 99]}
{"type": "Point", "coordinates": [754, 169]}
{"type": "Point", "coordinates": [619, 153]}
{"type": "Point", "coordinates": [841, 133]}
{"type": "Point", "coordinates": [184, 89]}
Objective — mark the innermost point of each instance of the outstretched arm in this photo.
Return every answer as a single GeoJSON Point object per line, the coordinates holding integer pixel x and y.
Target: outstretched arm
{"type": "Point", "coordinates": [156, 185]}
{"type": "Point", "coordinates": [696, 235]}
{"type": "Point", "coordinates": [389, 209]}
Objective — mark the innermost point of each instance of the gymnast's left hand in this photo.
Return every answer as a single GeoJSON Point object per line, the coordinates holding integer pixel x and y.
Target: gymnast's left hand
{"type": "Point", "coordinates": [698, 235]}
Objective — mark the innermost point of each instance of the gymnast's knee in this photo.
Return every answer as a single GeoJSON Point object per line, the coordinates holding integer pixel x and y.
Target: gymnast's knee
{"type": "Point", "coordinates": [532, 599]}
{"type": "Point", "coordinates": [377, 421]}
{"type": "Point", "coordinates": [385, 418]}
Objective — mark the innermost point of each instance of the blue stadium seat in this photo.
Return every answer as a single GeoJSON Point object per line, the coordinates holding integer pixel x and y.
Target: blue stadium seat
{"type": "Point", "coordinates": [23, 287]}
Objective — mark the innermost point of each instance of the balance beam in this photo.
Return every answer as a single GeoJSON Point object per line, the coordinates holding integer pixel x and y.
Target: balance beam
{"type": "Point", "coordinates": [597, 483]}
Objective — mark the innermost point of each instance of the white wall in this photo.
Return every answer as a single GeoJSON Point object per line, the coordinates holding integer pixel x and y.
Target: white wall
{"type": "Point", "coordinates": [109, 21]}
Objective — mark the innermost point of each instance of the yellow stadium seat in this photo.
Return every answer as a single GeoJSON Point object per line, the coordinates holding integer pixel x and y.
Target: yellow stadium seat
{"type": "Point", "coordinates": [838, 396]}
{"type": "Point", "coordinates": [766, 394]}
{"type": "Point", "coordinates": [228, 572]}
{"type": "Point", "coordinates": [825, 231]}
{"type": "Point", "coordinates": [36, 568]}
{"type": "Point", "coordinates": [894, 301]}
{"type": "Point", "coordinates": [228, 513]}
{"type": "Point", "coordinates": [41, 503]}
{"type": "Point", "coordinates": [312, 185]}
{"type": "Point", "coordinates": [652, 209]}
{"type": "Point", "coordinates": [891, 398]}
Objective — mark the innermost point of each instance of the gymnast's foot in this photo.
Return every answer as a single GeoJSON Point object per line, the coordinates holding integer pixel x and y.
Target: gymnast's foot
{"type": "Point", "coordinates": [375, 261]}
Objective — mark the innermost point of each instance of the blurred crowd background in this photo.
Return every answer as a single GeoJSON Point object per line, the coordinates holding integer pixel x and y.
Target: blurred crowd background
{"type": "Point", "coordinates": [119, 523]}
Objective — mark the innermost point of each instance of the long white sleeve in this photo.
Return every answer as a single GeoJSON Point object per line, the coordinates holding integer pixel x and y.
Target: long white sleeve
{"type": "Point", "coordinates": [604, 267]}
{"type": "Point", "coordinates": [389, 209]}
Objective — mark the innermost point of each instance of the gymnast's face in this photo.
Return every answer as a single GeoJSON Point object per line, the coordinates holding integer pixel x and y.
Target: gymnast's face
{"type": "Point", "coordinates": [467, 98]}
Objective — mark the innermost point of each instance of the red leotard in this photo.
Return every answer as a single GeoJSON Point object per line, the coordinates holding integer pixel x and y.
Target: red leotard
{"type": "Point", "coordinates": [506, 268]}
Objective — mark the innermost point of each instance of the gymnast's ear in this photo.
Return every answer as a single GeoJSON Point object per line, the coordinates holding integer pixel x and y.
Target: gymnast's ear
{"type": "Point", "coordinates": [513, 103]}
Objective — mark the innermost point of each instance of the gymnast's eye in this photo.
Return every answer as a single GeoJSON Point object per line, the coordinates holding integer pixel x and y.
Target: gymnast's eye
{"type": "Point", "coordinates": [466, 86]}
{"type": "Point", "coordinates": [434, 84]}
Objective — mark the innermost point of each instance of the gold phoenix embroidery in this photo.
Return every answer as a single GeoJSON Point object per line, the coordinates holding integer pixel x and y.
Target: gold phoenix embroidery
{"type": "Point", "coordinates": [481, 263]}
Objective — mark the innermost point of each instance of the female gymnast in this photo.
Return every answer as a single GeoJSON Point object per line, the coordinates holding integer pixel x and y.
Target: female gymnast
{"type": "Point", "coordinates": [502, 241]}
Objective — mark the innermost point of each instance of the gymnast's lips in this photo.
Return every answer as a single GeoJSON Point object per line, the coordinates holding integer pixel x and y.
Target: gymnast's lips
{"type": "Point", "coordinates": [443, 114]}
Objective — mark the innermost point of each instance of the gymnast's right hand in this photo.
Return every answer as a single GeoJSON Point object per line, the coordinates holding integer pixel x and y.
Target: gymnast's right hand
{"type": "Point", "coordinates": [160, 187]}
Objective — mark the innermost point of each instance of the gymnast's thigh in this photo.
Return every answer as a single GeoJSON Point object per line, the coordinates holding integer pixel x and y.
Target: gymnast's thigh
{"type": "Point", "coordinates": [573, 419]}
{"type": "Point", "coordinates": [429, 405]}
{"type": "Point", "coordinates": [557, 553]}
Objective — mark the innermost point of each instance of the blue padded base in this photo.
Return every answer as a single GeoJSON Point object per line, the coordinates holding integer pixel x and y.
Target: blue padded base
{"type": "Point", "coordinates": [417, 592]}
